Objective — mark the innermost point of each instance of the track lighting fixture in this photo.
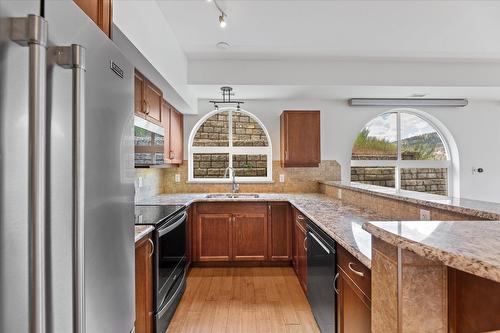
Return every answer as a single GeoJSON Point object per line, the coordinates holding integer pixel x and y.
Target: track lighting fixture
{"type": "Point", "coordinates": [222, 22]}
{"type": "Point", "coordinates": [222, 16]}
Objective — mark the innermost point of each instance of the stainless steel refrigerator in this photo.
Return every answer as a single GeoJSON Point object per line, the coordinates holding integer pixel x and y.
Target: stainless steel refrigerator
{"type": "Point", "coordinates": [66, 173]}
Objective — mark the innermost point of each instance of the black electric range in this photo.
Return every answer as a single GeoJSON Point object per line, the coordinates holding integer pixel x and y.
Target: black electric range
{"type": "Point", "coordinates": [170, 261]}
{"type": "Point", "coordinates": [155, 214]}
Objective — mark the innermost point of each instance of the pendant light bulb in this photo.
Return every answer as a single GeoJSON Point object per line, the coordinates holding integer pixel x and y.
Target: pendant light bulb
{"type": "Point", "coordinates": [222, 21]}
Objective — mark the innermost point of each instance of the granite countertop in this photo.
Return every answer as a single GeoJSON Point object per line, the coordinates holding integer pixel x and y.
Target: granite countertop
{"type": "Point", "coordinates": [341, 221]}
{"type": "Point", "coordinates": [480, 209]}
{"type": "Point", "coordinates": [142, 230]}
{"type": "Point", "coordinates": [470, 246]}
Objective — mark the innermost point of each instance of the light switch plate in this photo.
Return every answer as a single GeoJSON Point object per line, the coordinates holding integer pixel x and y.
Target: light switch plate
{"type": "Point", "coordinates": [425, 215]}
{"type": "Point", "coordinates": [177, 178]}
{"type": "Point", "coordinates": [282, 178]}
{"type": "Point", "coordinates": [139, 182]}
{"type": "Point", "coordinates": [339, 194]}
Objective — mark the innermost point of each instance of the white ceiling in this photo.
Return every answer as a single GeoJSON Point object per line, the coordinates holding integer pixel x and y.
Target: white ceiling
{"type": "Point", "coordinates": [266, 29]}
{"type": "Point", "coordinates": [253, 92]}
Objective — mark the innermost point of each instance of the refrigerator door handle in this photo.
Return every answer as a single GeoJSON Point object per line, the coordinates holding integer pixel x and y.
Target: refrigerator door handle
{"type": "Point", "coordinates": [73, 57]}
{"type": "Point", "coordinates": [31, 31]}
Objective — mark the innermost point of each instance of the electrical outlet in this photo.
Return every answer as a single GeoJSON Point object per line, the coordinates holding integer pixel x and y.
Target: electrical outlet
{"type": "Point", "coordinates": [425, 215]}
{"type": "Point", "coordinates": [339, 194]}
{"type": "Point", "coordinates": [177, 178]}
{"type": "Point", "coordinates": [282, 178]}
{"type": "Point", "coordinates": [139, 182]}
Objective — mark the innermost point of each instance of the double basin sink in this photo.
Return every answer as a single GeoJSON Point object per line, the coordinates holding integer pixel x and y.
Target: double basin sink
{"type": "Point", "coordinates": [232, 195]}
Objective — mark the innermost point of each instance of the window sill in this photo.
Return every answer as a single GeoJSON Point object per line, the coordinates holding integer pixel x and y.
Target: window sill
{"type": "Point", "coordinates": [229, 182]}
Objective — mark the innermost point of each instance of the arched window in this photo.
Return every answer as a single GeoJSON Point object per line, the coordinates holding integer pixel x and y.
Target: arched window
{"type": "Point", "coordinates": [402, 150]}
{"type": "Point", "coordinates": [230, 138]}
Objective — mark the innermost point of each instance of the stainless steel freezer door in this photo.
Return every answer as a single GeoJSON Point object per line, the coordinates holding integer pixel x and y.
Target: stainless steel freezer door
{"type": "Point", "coordinates": [109, 177]}
{"type": "Point", "coordinates": [14, 314]}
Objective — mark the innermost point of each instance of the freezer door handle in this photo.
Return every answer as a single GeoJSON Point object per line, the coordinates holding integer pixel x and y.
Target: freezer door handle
{"type": "Point", "coordinates": [31, 31]}
{"type": "Point", "coordinates": [73, 57]}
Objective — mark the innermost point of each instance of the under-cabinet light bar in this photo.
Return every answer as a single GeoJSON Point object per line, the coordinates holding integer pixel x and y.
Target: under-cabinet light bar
{"type": "Point", "coordinates": [436, 102]}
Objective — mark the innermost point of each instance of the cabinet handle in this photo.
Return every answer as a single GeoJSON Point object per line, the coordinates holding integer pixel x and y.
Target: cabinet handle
{"type": "Point", "coordinates": [300, 217]}
{"type": "Point", "coordinates": [152, 247]}
{"type": "Point", "coordinates": [304, 243]}
{"type": "Point", "coordinates": [146, 107]}
{"type": "Point", "coordinates": [335, 283]}
{"type": "Point", "coordinates": [355, 271]}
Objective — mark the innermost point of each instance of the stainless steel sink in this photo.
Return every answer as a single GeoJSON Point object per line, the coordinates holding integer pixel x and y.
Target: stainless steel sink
{"type": "Point", "coordinates": [232, 195]}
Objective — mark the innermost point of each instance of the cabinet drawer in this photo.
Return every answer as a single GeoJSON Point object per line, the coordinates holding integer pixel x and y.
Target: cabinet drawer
{"type": "Point", "coordinates": [355, 270]}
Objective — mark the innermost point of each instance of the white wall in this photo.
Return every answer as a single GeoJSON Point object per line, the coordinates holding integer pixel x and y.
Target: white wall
{"type": "Point", "coordinates": [143, 23]}
{"type": "Point", "coordinates": [475, 128]}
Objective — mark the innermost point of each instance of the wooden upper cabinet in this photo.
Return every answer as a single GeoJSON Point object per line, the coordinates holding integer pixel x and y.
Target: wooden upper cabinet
{"type": "Point", "coordinates": [300, 139]}
{"type": "Point", "coordinates": [139, 88]}
{"type": "Point", "coordinates": [250, 236]}
{"type": "Point", "coordinates": [280, 231]}
{"type": "Point", "coordinates": [148, 99]}
{"type": "Point", "coordinates": [176, 136]}
{"type": "Point", "coordinates": [100, 11]}
{"type": "Point", "coordinates": [154, 99]}
{"type": "Point", "coordinates": [144, 308]}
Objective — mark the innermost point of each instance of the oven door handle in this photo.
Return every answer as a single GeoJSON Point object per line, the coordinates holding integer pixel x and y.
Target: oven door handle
{"type": "Point", "coordinates": [169, 302]}
{"type": "Point", "coordinates": [171, 227]}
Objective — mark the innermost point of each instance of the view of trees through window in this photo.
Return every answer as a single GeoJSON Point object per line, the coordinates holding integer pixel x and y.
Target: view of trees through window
{"type": "Point", "coordinates": [405, 144]}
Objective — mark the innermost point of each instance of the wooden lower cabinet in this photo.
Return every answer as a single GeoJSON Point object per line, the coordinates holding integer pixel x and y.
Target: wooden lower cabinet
{"type": "Point", "coordinates": [214, 237]}
{"type": "Point", "coordinates": [354, 308]}
{"type": "Point", "coordinates": [144, 308]}
{"type": "Point", "coordinates": [249, 237]}
{"type": "Point", "coordinates": [354, 294]}
{"type": "Point", "coordinates": [241, 232]}
{"type": "Point", "coordinates": [473, 303]}
{"type": "Point", "coordinates": [300, 243]}
{"type": "Point", "coordinates": [280, 231]}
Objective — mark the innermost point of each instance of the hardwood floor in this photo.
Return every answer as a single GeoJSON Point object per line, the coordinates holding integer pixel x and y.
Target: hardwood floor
{"type": "Point", "coordinates": [243, 299]}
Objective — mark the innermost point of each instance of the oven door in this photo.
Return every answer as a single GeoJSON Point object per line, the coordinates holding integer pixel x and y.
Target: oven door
{"type": "Point", "coordinates": [170, 255]}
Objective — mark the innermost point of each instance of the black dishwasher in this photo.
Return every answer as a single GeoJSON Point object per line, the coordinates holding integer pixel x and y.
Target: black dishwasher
{"type": "Point", "coordinates": [321, 269]}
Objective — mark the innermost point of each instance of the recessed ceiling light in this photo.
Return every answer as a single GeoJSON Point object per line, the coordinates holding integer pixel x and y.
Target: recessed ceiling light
{"type": "Point", "coordinates": [418, 95]}
{"type": "Point", "coordinates": [222, 45]}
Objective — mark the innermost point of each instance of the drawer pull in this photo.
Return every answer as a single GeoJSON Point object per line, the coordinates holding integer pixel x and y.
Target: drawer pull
{"type": "Point", "coordinates": [300, 217]}
{"type": "Point", "coordinates": [355, 271]}
{"type": "Point", "coordinates": [335, 283]}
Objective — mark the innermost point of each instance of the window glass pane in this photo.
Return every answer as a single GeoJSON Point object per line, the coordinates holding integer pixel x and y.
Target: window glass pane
{"type": "Point", "coordinates": [214, 132]}
{"type": "Point", "coordinates": [380, 176]}
{"type": "Point", "coordinates": [210, 165]}
{"type": "Point", "coordinates": [429, 180]}
{"type": "Point", "coordinates": [247, 132]}
{"type": "Point", "coordinates": [419, 140]}
{"type": "Point", "coordinates": [250, 165]}
{"type": "Point", "coordinates": [378, 140]}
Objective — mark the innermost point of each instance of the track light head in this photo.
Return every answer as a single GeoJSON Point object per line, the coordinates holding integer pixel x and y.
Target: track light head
{"type": "Point", "coordinates": [222, 21]}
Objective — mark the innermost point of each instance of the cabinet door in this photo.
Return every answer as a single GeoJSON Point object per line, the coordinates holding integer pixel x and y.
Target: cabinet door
{"type": "Point", "coordinates": [154, 99]}
{"type": "Point", "coordinates": [165, 116]}
{"type": "Point", "coordinates": [302, 255]}
{"type": "Point", "coordinates": [144, 286]}
{"type": "Point", "coordinates": [300, 139]}
{"type": "Point", "coordinates": [214, 237]}
{"type": "Point", "coordinates": [176, 136]}
{"type": "Point", "coordinates": [250, 237]}
{"type": "Point", "coordinates": [139, 100]}
{"type": "Point", "coordinates": [100, 11]}
{"type": "Point", "coordinates": [280, 231]}
{"type": "Point", "coordinates": [354, 308]}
